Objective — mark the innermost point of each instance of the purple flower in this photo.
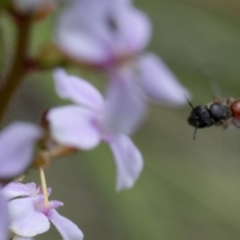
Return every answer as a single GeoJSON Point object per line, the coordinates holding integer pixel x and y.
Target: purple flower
{"type": "Point", "coordinates": [102, 32]}
{"type": "Point", "coordinates": [30, 217]}
{"type": "Point", "coordinates": [17, 143]}
{"type": "Point", "coordinates": [109, 34]}
{"type": "Point", "coordinates": [93, 119]}
{"type": "Point", "coordinates": [21, 238]}
{"type": "Point", "coordinates": [4, 218]}
{"type": "Point", "coordinates": [153, 79]}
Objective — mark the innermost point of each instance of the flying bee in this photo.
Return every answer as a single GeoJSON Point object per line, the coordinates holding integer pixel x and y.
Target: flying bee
{"type": "Point", "coordinates": [219, 113]}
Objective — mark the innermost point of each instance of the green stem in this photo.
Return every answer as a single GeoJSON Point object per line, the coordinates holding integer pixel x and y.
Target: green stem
{"type": "Point", "coordinates": [18, 69]}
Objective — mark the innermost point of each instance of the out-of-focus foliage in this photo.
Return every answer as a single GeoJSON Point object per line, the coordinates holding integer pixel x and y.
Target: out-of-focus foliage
{"type": "Point", "coordinates": [7, 41]}
{"type": "Point", "coordinates": [188, 189]}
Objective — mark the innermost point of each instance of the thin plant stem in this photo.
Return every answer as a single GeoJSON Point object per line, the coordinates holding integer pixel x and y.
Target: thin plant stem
{"type": "Point", "coordinates": [18, 69]}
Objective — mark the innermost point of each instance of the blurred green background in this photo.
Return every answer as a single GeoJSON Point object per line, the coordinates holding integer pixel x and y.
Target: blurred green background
{"type": "Point", "coordinates": [189, 190]}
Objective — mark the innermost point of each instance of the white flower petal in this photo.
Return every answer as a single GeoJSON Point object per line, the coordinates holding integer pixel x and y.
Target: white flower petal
{"type": "Point", "coordinates": [128, 160]}
{"type": "Point", "coordinates": [101, 32]}
{"type": "Point", "coordinates": [15, 189]}
{"type": "Point", "coordinates": [134, 30]}
{"type": "Point", "coordinates": [17, 142]}
{"type": "Point", "coordinates": [22, 238]}
{"type": "Point", "coordinates": [78, 90]}
{"type": "Point", "coordinates": [32, 189]}
{"type": "Point", "coordinates": [81, 32]}
{"type": "Point", "coordinates": [125, 107]}
{"type": "Point", "coordinates": [159, 82]}
{"type": "Point", "coordinates": [55, 204]}
{"type": "Point", "coordinates": [4, 218]}
{"type": "Point", "coordinates": [80, 46]}
{"type": "Point", "coordinates": [67, 229]}
{"type": "Point", "coordinates": [25, 220]}
{"type": "Point", "coordinates": [74, 126]}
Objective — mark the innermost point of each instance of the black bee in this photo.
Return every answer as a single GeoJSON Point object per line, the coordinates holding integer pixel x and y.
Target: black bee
{"type": "Point", "coordinates": [216, 113]}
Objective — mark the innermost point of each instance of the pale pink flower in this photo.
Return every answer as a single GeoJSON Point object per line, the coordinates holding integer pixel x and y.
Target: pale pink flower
{"type": "Point", "coordinates": [93, 119]}
{"type": "Point", "coordinates": [102, 32]}
{"type": "Point", "coordinates": [21, 238]}
{"type": "Point", "coordinates": [153, 79]}
{"type": "Point", "coordinates": [30, 217]}
{"type": "Point", "coordinates": [110, 34]}
{"type": "Point", "coordinates": [17, 143]}
{"type": "Point", "coordinates": [4, 218]}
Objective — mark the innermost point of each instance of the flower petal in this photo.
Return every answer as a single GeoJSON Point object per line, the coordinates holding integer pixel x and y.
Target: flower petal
{"type": "Point", "coordinates": [67, 229]}
{"type": "Point", "coordinates": [33, 189]}
{"type": "Point", "coordinates": [17, 143]}
{"type": "Point", "coordinates": [40, 190]}
{"type": "Point", "coordinates": [74, 126]}
{"type": "Point", "coordinates": [22, 238]}
{"type": "Point", "coordinates": [134, 29]}
{"type": "Point", "coordinates": [25, 220]}
{"type": "Point", "coordinates": [55, 204]}
{"type": "Point", "coordinates": [159, 82]}
{"type": "Point", "coordinates": [125, 107]}
{"type": "Point", "coordinates": [15, 189]}
{"type": "Point", "coordinates": [128, 160]}
{"type": "Point", "coordinates": [81, 32]}
{"type": "Point", "coordinates": [78, 90]}
{"type": "Point", "coordinates": [4, 218]}
{"type": "Point", "coordinates": [102, 32]}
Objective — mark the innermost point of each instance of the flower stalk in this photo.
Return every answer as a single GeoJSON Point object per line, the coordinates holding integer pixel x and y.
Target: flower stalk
{"type": "Point", "coordinates": [44, 187]}
{"type": "Point", "coordinates": [18, 69]}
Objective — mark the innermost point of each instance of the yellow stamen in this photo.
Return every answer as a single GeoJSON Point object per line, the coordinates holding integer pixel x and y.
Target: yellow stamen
{"type": "Point", "coordinates": [44, 187]}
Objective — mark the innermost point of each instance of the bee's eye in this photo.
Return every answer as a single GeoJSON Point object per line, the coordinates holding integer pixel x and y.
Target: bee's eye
{"type": "Point", "coordinates": [218, 111]}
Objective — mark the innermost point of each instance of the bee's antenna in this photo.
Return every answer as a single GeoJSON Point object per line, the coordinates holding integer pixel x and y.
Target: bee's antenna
{"type": "Point", "coordinates": [189, 103]}
{"type": "Point", "coordinates": [195, 133]}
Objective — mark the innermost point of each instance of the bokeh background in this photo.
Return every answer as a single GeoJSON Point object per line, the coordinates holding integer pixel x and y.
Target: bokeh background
{"type": "Point", "coordinates": [189, 190]}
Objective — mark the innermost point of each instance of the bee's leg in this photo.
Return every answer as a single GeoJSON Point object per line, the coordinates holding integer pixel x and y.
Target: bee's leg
{"type": "Point", "coordinates": [230, 100]}
{"type": "Point", "coordinates": [225, 124]}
